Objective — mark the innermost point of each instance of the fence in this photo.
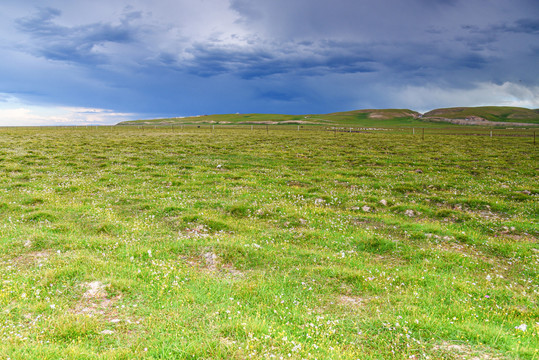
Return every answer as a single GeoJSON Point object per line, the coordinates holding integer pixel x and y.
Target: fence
{"type": "Point", "coordinates": [273, 128]}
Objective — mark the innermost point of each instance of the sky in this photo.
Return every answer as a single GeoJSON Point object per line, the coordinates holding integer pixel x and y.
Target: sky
{"type": "Point", "coordinates": [104, 61]}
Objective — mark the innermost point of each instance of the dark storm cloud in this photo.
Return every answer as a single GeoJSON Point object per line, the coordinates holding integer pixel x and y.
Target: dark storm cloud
{"type": "Point", "coordinates": [525, 26]}
{"type": "Point", "coordinates": [180, 57]}
{"type": "Point", "coordinates": [305, 58]}
{"type": "Point", "coordinates": [76, 43]}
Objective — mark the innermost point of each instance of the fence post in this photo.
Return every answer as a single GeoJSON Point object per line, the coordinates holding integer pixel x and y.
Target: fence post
{"type": "Point", "coordinates": [413, 131]}
{"type": "Point", "coordinates": [490, 133]}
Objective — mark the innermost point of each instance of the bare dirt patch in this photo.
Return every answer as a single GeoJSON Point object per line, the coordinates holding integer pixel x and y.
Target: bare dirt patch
{"type": "Point", "coordinates": [32, 258]}
{"type": "Point", "coordinates": [461, 351]}
{"type": "Point", "coordinates": [196, 232]}
{"type": "Point", "coordinates": [353, 301]}
{"type": "Point", "coordinates": [213, 264]}
{"type": "Point", "coordinates": [96, 301]}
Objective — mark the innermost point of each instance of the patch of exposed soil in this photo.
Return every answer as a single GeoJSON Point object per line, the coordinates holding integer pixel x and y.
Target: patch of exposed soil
{"type": "Point", "coordinates": [212, 263]}
{"type": "Point", "coordinates": [32, 258]}
{"type": "Point", "coordinates": [96, 301]}
{"type": "Point", "coordinates": [461, 351]}
{"type": "Point", "coordinates": [353, 301]}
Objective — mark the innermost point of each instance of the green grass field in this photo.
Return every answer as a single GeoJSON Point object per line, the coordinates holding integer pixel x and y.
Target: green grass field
{"type": "Point", "coordinates": [122, 243]}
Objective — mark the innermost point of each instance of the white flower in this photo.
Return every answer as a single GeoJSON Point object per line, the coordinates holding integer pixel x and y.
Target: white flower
{"type": "Point", "coordinates": [521, 327]}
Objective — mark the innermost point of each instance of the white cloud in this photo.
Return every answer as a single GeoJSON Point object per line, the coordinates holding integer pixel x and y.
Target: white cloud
{"type": "Point", "coordinates": [13, 112]}
{"type": "Point", "coordinates": [425, 98]}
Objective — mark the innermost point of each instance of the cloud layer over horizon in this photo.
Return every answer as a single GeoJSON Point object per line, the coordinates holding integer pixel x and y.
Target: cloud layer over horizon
{"type": "Point", "coordinates": [106, 61]}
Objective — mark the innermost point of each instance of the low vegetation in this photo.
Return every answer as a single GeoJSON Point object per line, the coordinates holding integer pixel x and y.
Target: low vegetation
{"type": "Point", "coordinates": [122, 243]}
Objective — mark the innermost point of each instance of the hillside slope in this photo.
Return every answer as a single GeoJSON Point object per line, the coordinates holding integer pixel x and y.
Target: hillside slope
{"type": "Point", "coordinates": [367, 117]}
{"type": "Point", "coordinates": [484, 116]}
{"type": "Point", "coordinates": [497, 114]}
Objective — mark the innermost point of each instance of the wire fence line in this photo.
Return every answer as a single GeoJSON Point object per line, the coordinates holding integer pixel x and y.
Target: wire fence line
{"type": "Point", "coordinates": [529, 132]}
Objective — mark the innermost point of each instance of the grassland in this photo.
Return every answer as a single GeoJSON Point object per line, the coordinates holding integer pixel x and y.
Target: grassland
{"type": "Point", "coordinates": [122, 243]}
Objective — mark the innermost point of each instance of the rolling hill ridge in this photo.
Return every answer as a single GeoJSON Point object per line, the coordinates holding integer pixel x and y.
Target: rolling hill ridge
{"type": "Point", "coordinates": [483, 116]}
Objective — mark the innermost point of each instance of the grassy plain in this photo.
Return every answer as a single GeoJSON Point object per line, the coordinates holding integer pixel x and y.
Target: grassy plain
{"type": "Point", "coordinates": [122, 243]}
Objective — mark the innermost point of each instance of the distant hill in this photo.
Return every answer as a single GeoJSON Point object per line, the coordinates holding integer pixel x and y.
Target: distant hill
{"type": "Point", "coordinates": [486, 116]}
{"type": "Point", "coordinates": [368, 117]}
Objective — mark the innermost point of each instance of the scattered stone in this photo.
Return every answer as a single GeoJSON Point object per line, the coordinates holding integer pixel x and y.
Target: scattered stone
{"type": "Point", "coordinates": [409, 213]}
{"type": "Point", "coordinates": [107, 332]}
{"type": "Point", "coordinates": [527, 192]}
{"type": "Point", "coordinates": [219, 166]}
{"type": "Point", "coordinates": [302, 221]}
{"type": "Point", "coordinates": [418, 171]}
{"type": "Point", "coordinates": [197, 231]}
{"type": "Point", "coordinates": [366, 208]}
{"type": "Point", "coordinates": [28, 244]}
{"type": "Point", "coordinates": [96, 290]}
{"type": "Point", "coordinates": [319, 201]}
{"type": "Point", "coordinates": [353, 301]}
{"type": "Point", "coordinates": [383, 202]}
{"type": "Point", "coordinates": [211, 261]}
